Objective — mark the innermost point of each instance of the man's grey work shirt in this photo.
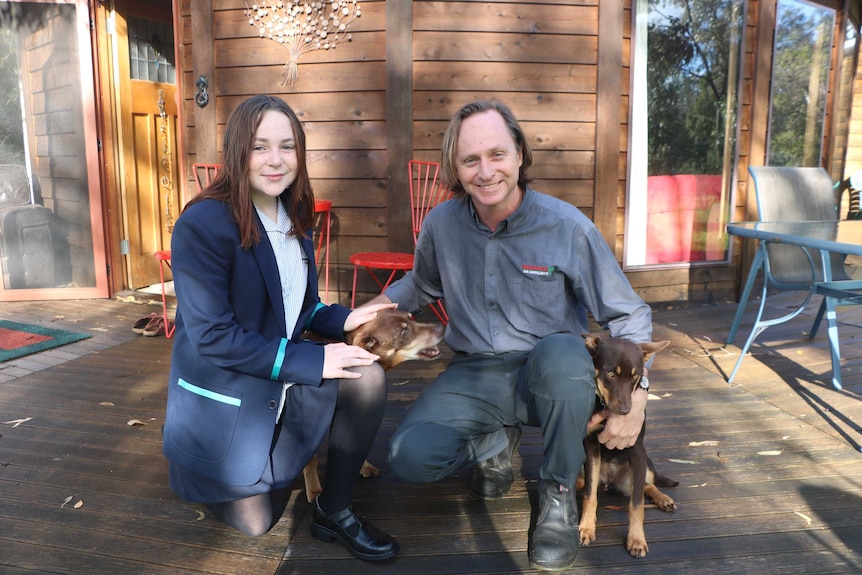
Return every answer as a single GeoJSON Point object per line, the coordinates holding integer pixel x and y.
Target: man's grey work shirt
{"type": "Point", "coordinates": [507, 289]}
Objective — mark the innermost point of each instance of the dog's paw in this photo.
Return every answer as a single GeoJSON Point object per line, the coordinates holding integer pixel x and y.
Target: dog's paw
{"type": "Point", "coordinates": [368, 470]}
{"type": "Point", "coordinates": [637, 546]}
{"type": "Point", "coordinates": [665, 503]}
{"type": "Point", "coordinates": [587, 532]}
{"type": "Point", "coordinates": [312, 492]}
{"type": "Point", "coordinates": [661, 500]}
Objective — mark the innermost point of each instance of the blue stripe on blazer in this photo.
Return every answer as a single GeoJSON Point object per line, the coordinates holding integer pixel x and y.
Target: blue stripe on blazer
{"type": "Point", "coordinates": [231, 353]}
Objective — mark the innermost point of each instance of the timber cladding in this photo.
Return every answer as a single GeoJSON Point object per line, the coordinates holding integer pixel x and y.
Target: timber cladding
{"type": "Point", "coordinates": [385, 96]}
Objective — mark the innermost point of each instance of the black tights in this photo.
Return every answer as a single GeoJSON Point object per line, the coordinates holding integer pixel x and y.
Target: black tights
{"type": "Point", "coordinates": [358, 413]}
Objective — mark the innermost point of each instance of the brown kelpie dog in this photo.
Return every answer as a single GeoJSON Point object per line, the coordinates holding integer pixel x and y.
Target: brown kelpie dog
{"type": "Point", "coordinates": [619, 369]}
{"type": "Point", "coordinates": [396, 337]}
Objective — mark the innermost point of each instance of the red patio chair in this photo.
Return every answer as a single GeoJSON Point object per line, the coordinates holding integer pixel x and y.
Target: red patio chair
{"type": "Point", "coordinates": [425, 193]}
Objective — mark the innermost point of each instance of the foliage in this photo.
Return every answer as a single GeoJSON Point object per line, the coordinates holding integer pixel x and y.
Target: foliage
{"type": "Point", "coordinates": [798, 99]}
{"type": "Point", "coordinates": [690, 77]}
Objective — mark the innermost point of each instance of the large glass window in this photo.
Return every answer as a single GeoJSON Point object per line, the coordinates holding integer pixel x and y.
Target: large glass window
{"type": "Point", "coordinates": [800, 77]}
{"type": "Point", "coordinates": [683, 130]}
{"type": "Point", "coordinates": [51, 241]}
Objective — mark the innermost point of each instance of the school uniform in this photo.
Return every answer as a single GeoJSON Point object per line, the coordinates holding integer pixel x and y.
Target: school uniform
{"type": "Point", "coordinates": [232, 427]}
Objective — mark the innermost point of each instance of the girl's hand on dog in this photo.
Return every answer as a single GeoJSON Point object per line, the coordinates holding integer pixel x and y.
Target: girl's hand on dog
{"type": "Point", "coordinates": [621, 431]}
{"type": "Point", "coordinates": [337, 357]}
{"type": "Point", "coordinates": [364, 314]}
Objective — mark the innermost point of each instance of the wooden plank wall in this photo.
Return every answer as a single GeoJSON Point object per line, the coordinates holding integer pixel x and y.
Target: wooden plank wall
{"type": "Point", "coordinates": [545, 59]}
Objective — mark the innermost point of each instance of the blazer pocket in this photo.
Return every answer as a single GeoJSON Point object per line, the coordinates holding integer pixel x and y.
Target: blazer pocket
{"type": "Point", "coordinates": [208, 420]}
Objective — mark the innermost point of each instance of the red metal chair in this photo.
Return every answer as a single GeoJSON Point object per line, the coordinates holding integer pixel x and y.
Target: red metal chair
{"type": "Point", "coordinates": [204, 174]}
{"type": "Point", "coordinates": [425, 193]}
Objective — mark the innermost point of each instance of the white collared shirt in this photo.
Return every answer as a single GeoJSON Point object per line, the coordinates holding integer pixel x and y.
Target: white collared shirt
{"type": "Point", "coordinates": [292, 271]}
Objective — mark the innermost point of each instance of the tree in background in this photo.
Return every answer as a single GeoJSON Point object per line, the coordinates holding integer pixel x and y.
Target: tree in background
{"type": "Point", "coordinates": [692, 74]}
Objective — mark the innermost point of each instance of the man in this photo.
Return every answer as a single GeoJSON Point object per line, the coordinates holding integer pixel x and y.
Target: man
{"type": "Point", "coordinates": [518, 269]}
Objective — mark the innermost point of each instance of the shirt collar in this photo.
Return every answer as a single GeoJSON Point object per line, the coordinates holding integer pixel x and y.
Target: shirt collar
{"type": "Point", "coordinates": [517, 218]}
{"type": "Point", "coordinates": [283, 223]}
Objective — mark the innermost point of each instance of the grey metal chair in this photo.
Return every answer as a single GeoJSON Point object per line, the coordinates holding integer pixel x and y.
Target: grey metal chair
{"type": "Point", "coordinates": [789, 194]}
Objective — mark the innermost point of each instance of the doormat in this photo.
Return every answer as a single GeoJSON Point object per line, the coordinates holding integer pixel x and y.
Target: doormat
{"type": "Point", "coordinates": [20, 339]}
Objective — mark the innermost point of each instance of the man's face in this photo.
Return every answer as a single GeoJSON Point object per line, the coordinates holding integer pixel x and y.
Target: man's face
{"type": "Point", "coordinates": [488, 162]}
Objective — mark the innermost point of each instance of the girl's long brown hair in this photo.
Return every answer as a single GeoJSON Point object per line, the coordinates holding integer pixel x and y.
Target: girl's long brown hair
{"type": "Point", "coordinates": [230, 184]}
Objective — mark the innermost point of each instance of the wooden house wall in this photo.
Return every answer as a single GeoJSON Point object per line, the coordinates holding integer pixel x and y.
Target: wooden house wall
{"type": "Point", "coordinates": [387, 95]}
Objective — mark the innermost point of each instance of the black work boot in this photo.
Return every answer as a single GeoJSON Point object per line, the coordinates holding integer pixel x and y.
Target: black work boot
{"type": "Point", "coordinates": [554, 543]}
{"type": "Point", "coordinates": [493, 477]}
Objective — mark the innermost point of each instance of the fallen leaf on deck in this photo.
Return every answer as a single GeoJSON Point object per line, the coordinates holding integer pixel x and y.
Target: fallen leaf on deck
{"type": "Point", "coordinates": [66, 501]}
{"type": "Point", "coordinates": [683, 461]}
{"type": "Point", "coordinates": [17, 422]}
{"type": "Point", "coordinates": [79, 504]}
{"type": "Point", "coordinates": [98, 329]}
{"type": "Point", "coordinates": [652, 396]}
{"type": "Point", "coordinates": [701, 443]}
{"type": "Point", "coordinates": [769, 452]}
{"type": "Point", "coordinates": [401, 382]}
{"type": "Point", "coordinates": [133, 422]}
{"type": "Point", "coordinates": [107, 403]}
{"type": "Point", "coordinates": [201, 516]}
{"type": "Point", "coordinates": [805, 517]}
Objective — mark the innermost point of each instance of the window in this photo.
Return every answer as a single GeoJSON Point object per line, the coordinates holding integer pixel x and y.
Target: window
{"type": "Point", "coordinates": [49, 189]}
{"type": "Point", "coordinates": [800, 77]}
{"type": "Point", "coordinates": [683, 130]}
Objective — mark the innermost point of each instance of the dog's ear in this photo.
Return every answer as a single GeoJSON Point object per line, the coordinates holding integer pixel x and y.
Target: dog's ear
{"type": "Point", "coordinates": [653, 347]}
{"type": "Point", "coordinates": [368, 342]}
{"type": "Point", "coordinates": [592, 342]}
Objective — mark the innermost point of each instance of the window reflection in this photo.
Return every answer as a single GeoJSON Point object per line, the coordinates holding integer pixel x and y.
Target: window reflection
{"type": "Point", "coordinates": [45, 227]}
{"type": "Point", "coordinates": [800, 76]}
{"type": "Point", "coordinates": [683, 129]}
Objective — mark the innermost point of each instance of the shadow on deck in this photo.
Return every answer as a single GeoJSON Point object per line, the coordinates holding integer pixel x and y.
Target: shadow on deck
{"type": "Point", "coordinates": [769, 468]}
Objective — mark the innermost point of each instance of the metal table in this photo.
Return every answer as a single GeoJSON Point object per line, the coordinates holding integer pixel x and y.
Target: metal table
{"type": "Point", "coordinates": [842, 236]}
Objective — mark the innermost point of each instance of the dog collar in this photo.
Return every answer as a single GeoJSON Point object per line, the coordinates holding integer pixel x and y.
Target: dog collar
{"type": "Point", "coordinates": [644, 382]}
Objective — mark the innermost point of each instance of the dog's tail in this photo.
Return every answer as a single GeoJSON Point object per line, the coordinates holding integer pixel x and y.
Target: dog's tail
{"type": "Point", "coordinates": [662, 481]}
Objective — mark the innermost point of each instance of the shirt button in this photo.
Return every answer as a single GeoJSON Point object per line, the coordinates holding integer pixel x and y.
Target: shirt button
{"type": "Point", "coordinates": [272, 404]}
{"type": "Point", "coordinates": [490, 304]}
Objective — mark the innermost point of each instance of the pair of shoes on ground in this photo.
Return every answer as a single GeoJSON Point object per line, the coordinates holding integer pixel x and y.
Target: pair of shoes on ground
{"type": "Point", "coordinates": [363, 540]}
{"type": "Point", "coordinates": [151, 325]}
{"type": "Point", "coordinates": [554, 542]}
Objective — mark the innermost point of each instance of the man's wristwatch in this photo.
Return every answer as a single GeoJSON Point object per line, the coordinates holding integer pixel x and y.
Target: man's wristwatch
{"type": "Point", "coordinates": [644, 382]}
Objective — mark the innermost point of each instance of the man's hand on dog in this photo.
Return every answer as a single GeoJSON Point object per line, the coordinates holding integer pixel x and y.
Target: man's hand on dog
{"type": "Point", "coordinates": [364, 314]}
{"type": "Point", "coordinates": [621, 431]}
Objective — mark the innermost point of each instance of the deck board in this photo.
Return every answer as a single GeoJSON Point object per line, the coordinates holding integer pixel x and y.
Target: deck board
{"type": "Point", "coordinates": [778, 488]}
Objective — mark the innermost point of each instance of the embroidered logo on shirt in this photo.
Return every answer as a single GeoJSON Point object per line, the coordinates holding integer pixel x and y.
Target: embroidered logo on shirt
{"type": "Point", "coordinates": [537, 270]}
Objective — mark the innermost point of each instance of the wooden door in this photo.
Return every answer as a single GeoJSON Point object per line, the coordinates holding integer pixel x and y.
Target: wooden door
{"type": "Point", "coordinates": [148, 136]}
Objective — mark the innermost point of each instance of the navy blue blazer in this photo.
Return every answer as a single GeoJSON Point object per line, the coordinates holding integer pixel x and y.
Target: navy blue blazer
{"type": "Point", "coordinates": [231, 354]}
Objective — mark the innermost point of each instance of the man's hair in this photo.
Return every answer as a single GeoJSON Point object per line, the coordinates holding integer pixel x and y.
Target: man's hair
{"type": "Point", "coordinates": [450, 142]}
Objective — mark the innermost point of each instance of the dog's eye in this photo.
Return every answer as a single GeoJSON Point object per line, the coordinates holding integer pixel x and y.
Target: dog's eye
{"type": "Point", "coordinates": [611, 375]}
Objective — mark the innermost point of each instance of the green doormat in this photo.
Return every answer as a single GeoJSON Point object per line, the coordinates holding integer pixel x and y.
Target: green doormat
{"type": "Point", "coordinates": [20, 339]}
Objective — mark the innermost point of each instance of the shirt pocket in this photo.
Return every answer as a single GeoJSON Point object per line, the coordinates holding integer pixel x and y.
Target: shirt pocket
{"type": "Point", "coordinates": [206, 419]}
{"type": "Point", "coordinates": [539, 304]}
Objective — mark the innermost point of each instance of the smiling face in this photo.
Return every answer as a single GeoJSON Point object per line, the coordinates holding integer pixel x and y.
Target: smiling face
{"type": "Point", "coordinates": [273, 162]}
{"type": "Point", "coordinates": [488, 161]}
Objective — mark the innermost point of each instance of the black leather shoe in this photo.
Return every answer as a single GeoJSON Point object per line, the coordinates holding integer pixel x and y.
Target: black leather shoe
{"type": "Point", "coordinates": [493, 477]}
{"type": "Point", "coordinates": [554, 543]}
{"type": "Point", "coordinates": [363, 540]}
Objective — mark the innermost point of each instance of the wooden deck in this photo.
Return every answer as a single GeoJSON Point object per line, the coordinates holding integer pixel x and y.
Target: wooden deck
{"type": "Point", "coordinates": [770, 469]}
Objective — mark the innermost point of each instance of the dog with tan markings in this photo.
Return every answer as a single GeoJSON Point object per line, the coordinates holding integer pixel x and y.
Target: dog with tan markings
{"type": "Point", "coordinates": [395, 337]}
{"type": "Point", "coordinates": [619, 367]}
